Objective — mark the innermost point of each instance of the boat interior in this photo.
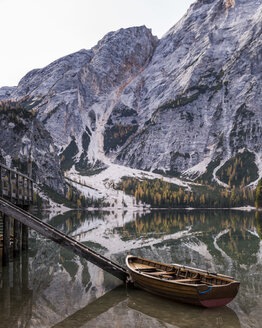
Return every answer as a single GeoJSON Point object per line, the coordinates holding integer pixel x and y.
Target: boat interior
{"type": "Point", "coordinates": [180, 274]}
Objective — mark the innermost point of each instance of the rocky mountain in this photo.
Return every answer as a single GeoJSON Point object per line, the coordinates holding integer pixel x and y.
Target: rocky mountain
{"type": "Point", "coordinates": [201, 93]}
{"type": "Point", "coordinates": [186, 104]}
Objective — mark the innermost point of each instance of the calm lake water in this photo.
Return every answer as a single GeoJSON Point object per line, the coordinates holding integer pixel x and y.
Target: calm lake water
{"type": "Point", "coordinates": [51, 287]}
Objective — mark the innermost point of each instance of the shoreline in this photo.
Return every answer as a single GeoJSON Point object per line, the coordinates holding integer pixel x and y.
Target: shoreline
{"type": "Point", "coordinates": [150, 209]}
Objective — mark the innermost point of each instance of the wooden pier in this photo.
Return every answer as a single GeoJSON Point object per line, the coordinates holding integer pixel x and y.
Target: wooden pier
{"type": "Point", "coordinates": [15, 197]}
{"type": "Point", "coordinates": [18, 189]}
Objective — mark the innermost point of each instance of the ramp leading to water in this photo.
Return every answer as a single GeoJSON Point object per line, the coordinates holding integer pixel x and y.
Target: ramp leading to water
{"type": "Point", "coordinates": [62, 239]}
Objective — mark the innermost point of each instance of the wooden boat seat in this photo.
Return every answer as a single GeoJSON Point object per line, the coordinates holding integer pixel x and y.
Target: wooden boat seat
{"type": "Point", "coordinates": [140, 266]}
{"type": "Point", "coordinates": [145, 270]}
{"type": "Point", "coordinates": [187, 280]}
{"type": "Point", "coordinates": [168, 276]}
{"type": "Point", "coordinates": [160, 273]}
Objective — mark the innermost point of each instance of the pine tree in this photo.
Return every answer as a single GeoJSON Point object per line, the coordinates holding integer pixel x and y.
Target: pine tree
{"type": "Point", "coordinates": [78, 203]}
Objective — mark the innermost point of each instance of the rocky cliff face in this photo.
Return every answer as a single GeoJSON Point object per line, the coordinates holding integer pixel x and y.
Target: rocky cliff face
{"type": "Point", "coordinates": [182, 104]}
{"type": "Point", "coordinates": [21, 136]}
{"type": "Point", "coordinates": [201, 92]}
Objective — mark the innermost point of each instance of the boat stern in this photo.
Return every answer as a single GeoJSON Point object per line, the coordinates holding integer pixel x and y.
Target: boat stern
{"type": "Point", "coordinates": [217, 296]}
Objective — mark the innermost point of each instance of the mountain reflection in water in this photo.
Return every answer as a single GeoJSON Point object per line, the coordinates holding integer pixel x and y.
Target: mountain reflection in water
{"type": "Point", "coordinates": [59, 284]}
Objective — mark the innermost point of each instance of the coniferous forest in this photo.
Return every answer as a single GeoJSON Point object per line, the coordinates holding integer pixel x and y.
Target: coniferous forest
{"type": "Point", "coordinates": [162, 194]}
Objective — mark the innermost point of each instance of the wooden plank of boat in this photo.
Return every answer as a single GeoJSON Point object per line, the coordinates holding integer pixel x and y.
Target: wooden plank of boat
{"type": "Point", "coordinates": [180, 283]}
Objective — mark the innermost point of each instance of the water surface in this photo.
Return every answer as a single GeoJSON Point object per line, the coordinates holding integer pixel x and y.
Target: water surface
{"type": "Point", "coordinates": [51, 286]}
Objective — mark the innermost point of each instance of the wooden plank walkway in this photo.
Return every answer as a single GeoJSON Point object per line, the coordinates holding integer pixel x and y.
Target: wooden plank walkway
{"type": "Point", "coordinates": [50, 232]}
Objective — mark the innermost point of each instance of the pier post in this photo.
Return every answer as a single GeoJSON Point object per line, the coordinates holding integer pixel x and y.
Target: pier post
{"type": "Point", "coordinates": [10, 186]}
{"type": "Point", "coordinates": [17, 278]}
{"type": "Point", "coordinates": [25, 268]}
{"type": "Point", "coordinates": [24, 237]}
{"type": "Point", "coordinates": [17, 188]}
{"type": "Point", "coordinates": [6, 239]}
{"type": "Point", "coordinates": [23, 190]}
{"type": "Point", "coordinates": [25, 231]}
{"type": "Point", "coordinates": [17, 238]}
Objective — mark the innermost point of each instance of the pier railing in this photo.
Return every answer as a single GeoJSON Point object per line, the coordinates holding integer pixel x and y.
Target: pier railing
{"type": "Point", "coordinates": [15, 186]}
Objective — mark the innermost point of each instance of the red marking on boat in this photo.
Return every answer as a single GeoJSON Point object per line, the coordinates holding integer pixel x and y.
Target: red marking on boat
{"type": "Point", "coordinates": [216, 303]}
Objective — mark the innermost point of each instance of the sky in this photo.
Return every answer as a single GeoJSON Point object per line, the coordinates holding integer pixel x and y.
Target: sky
{"type": "Point", "coordinates": [36, 32]}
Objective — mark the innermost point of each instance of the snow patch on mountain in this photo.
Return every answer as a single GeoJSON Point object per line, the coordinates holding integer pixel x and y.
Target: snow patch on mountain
{"type": "Point", "coordinates": [102, 184]}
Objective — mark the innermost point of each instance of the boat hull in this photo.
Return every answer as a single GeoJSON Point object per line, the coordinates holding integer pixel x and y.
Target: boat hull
{"type": "Point", "coordinates": [197, 294]}
{"type": "Point", "coordinates": [167, 290]}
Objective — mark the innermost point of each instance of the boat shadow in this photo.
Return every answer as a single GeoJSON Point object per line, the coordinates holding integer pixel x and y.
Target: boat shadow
{"type": "Point", "coordinates": [135, 302]}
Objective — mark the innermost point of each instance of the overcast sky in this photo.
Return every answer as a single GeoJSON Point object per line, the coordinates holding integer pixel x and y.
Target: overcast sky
{"type": "Point", "coordinates": [36, 32]}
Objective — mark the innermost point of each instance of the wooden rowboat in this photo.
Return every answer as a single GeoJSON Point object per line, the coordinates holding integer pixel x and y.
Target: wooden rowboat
{"type": "Point", "coordinates": [181, 283]}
